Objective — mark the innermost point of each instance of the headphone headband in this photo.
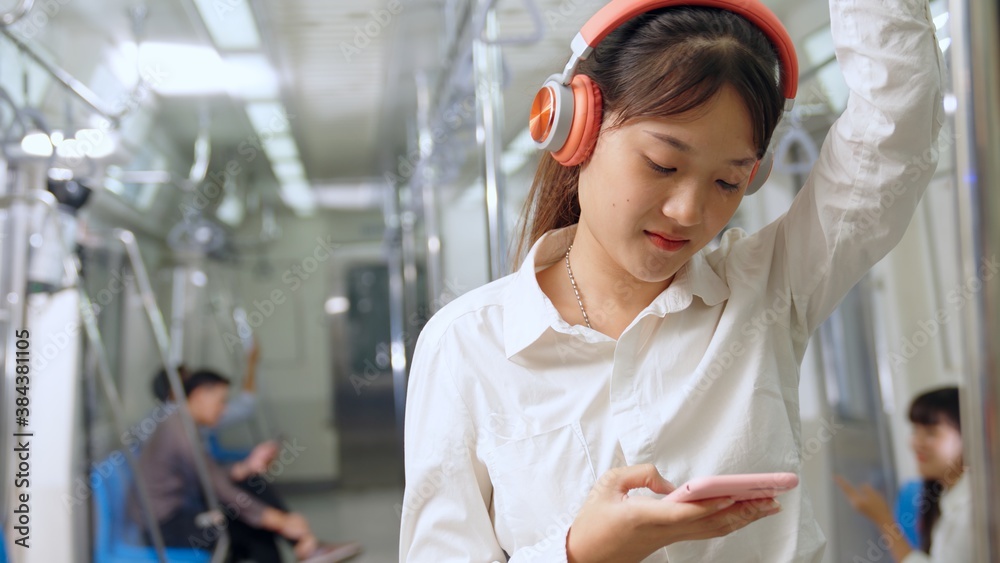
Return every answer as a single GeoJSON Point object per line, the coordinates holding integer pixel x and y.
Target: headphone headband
{"type": "Point", "coordinates": [566, 112]}
{"type": "Point", "coordinates": [617, 12]}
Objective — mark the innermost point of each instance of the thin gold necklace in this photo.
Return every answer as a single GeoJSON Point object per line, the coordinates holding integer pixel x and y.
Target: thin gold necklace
{"type": "Point", "coordinates": [575, 290]}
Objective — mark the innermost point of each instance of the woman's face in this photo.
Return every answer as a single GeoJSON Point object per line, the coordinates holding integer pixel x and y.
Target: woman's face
{"type": "Point", "coordinates": [657, 190]}
{"type": "Point", "coordinates": [938, 448]}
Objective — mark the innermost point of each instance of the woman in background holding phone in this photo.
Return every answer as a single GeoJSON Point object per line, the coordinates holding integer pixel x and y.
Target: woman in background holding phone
{"type": "Point", "coordinates": [945, 507]}
{"type": "Point", "coordinates": [545, 407]}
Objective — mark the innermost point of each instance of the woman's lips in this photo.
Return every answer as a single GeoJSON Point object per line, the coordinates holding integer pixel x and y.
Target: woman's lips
{"type": "Point", "coordinates": [665, 243]}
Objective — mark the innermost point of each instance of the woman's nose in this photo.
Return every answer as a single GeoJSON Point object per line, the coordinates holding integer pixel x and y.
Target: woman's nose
{"type": "Point", "coordinates": [686, 204]}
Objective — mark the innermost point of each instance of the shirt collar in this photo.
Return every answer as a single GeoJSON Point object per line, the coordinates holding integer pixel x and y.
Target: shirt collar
{"type": "Point", "coordinates": [956, 499]}
{"type": "Point", "coordinates": [528, 312]}
{"type": "Point", "coordinates": [696, 277]}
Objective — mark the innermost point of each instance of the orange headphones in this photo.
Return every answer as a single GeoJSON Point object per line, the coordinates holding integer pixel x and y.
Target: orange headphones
{"type": "Point", "coordinates": [566, 112]}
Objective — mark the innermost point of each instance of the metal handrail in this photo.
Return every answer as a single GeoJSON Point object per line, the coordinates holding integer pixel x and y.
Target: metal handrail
{"type": "Point", "coordinates": [977, 174]}
{"type": "Point", "coordinates": [155, 316]}
{"type": "Point", "coordinates": [15, 309]}
{"type": "Point", "coordinates": [487, 62]}
{"type": "Point", "coordinates": [107, 382]}
{"type": "Point", "coordinates": [67, 80]}
{"type": "Point", "coordinates": [534, 37]}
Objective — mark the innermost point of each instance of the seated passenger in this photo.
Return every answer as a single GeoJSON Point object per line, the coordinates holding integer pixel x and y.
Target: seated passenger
{"type": "Point", "coordinates": [238, 409]}
{"type": "Point", "coordinates": [945, 504]}
{"type": "Point", "coordinates": [167, 468]}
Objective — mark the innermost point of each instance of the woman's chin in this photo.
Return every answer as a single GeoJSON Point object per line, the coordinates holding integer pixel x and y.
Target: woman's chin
{"type": "Point", "coordinates": [929, 473]}
{"type": "Point", "coordinates": [655, 271]}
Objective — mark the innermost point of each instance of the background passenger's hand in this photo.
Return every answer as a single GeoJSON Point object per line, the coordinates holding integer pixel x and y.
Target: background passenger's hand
{"type": "Point", "coordinates": [867, 501]}
{"type": "Point", "coordinates": [306, 546]}
{"type": "Point", "coordinates": [613, 526]}
{"type": "Point", "coordinates": [295, 526]}
{"type": "Point", "coordinates": [261, 456]}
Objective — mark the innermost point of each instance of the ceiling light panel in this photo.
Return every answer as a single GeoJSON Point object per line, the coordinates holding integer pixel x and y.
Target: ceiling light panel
{"type": "Point", "coordinates": [269, 118]}
{"type": "Point", "coordinates": [251, 77]}
{"type": "Point", "coordinates": [298, 195]}
{"type": "Point", "coordinates": [280, 148]}
{"type": "Point", "coordinates": [288, 170]}
{"type": "Point", "coordinates": [230, 23]}
{"type": "Point", "coordinates": [183, 70]}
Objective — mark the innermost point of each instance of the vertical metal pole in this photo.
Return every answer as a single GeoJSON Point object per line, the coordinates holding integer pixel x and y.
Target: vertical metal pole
{"type": "Point", "coordinates": [155, 317]}
{"type": "Point", "coordinates": [5, 325]}
{"type": "Point", "coordinates": [408, 245]}
{"type": "Point", "coordinates": [425, 178]}
{"type": "Point", "coordinates": [177, 305]}
{"type": "Point", "coordinates": [117, 411]}
{"type": "Point", "coordinates": [397, 325]}
{"type": "Point", "coordinates": [15, 300]}
{"type": "Point", "coordinates": [20, 199]}
{"type": "Point", "coordinates": [489, 132]}
{"type": "Point", "coordinates": [976, 42]}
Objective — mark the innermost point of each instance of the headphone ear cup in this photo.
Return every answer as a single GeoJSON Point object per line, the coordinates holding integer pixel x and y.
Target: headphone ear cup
{"type": "Point", "coordinates": [761, 171]}
{"type": "Point", "coordinates": [587, 113]}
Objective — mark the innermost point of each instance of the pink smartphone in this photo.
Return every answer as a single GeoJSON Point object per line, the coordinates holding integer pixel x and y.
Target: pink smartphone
{"type": "Point", "coordinates": [737, 487]}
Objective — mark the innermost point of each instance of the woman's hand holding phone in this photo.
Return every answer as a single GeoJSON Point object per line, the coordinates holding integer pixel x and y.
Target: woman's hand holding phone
{"type": "Point", "coordinates": [612, 526]}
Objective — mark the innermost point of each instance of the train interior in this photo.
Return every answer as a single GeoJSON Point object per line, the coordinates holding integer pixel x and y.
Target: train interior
{"type": "Point", "coordinates": [287, 191]}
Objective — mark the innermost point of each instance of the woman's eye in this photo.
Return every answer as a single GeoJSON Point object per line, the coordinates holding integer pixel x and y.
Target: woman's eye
{"type": "Point", "coordinates": [729, 187]}
{"type": "Point", "coordinates": [660, 169]}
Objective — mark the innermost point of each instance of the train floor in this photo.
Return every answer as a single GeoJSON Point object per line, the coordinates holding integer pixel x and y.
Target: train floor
{"type": "Point", "coordinates": [365, 515]}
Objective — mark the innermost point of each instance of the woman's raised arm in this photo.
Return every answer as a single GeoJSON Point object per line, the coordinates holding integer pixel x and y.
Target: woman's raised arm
{"type": "Point", "coordinates": [876, 161]}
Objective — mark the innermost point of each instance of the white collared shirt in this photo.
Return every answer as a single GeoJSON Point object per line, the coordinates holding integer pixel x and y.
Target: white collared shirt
{"type": "Point", "coordinates": [951, 538]}
{"type": "Point", "coordinates": [512, 414]}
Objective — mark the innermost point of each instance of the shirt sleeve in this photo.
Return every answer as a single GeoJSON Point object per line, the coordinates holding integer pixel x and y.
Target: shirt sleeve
{"type": "Point", "coordinates": [876, 161]}
{"type": "Point", "coordinates": [916, 556]}
{"type": "Point", "coordinates": [238, 409]}
{"type": "Point", "coordinates": [445, 514]}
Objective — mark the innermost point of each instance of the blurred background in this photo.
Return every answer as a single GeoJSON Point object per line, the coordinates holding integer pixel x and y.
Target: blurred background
{"type": "Point", "coordinates": [317, 178]}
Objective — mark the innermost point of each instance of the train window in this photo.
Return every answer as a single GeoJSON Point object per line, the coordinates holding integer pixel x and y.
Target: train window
{"type": "Point", "coordinates": [818, 54]}
{"type": "Point", "coordinates": [848, 358]}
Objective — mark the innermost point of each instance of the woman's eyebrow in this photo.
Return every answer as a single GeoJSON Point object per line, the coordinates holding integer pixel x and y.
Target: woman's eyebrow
{"type": "Point", "coordinates": [684, 147]}
{"type": "Point", "coordinates": [670, 140]}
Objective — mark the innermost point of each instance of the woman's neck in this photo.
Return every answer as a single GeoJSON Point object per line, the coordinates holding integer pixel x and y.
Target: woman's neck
{"type": "Point", "coordinates": [611, 296]}
{"type": "Point", "coordinates": [952, 477]}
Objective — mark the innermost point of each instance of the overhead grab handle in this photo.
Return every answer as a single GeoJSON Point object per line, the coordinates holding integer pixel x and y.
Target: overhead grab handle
{"type": "Point", "coordinates": [536, 19]}
{"type": "Point", "coordinates": [16, 13]}
{"type": "Point", "coordinates": [796, 136]}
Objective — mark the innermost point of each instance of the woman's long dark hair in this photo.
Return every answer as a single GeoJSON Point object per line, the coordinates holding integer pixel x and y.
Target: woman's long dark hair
{"type": "Point", "coordinates": [660, 64]}
{"type": "Point", "coordinates": [934, 407]}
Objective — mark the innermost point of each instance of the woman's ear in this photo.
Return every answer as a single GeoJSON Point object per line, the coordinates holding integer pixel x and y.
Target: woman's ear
{"type": "Point", "coordinates": [600, 138]}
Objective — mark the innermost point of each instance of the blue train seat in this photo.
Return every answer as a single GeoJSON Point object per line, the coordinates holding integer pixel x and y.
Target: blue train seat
{"type": "Point", "coordinates": [222, 454]}
{"type": "Point", "coordinates": [118, 539]}
{"type": "Point", "coordinates": [907, 510]}
{"type": "Point", "coordinates": [3, 548]}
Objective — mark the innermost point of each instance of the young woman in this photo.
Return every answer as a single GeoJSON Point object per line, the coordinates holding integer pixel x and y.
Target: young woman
{"type": "Point", "coordinates": [546, 409]}
{"type": "Point", "coordinates": [945, 508]}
